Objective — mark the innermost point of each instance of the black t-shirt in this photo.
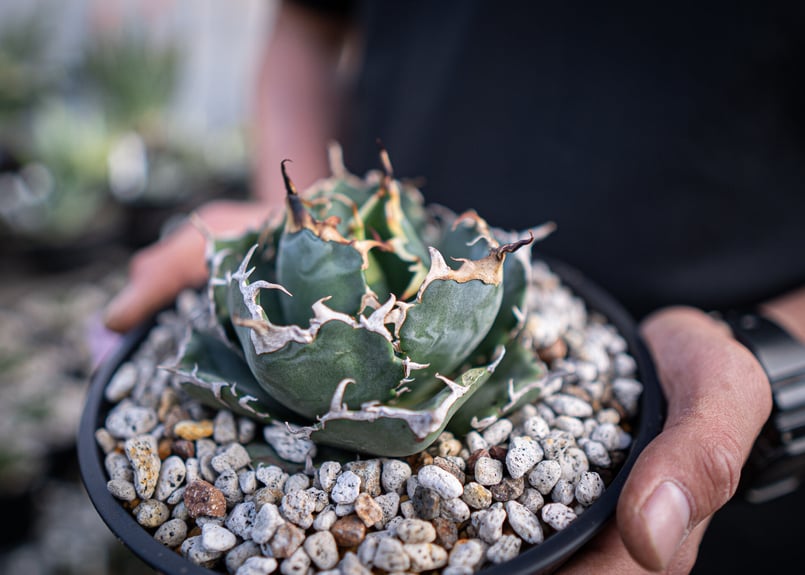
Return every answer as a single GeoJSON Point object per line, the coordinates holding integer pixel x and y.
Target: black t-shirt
{"type": "Point", "coordinates": [667, 143]}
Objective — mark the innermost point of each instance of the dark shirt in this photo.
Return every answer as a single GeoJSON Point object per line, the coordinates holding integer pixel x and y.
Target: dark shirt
{"type": "Point", "coordinates": [667, 143]}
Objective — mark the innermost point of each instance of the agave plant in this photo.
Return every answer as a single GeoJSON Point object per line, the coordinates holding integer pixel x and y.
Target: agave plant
{"type": "Point", "coordinates": [365, 319]}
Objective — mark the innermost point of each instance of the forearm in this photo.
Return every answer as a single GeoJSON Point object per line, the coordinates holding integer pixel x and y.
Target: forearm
{"type": "Point", "coordinates": [297, 98]}
{"type": "Point", "coordinates": [789, 311]}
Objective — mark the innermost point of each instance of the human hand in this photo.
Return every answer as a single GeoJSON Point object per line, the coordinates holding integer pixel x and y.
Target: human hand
{"type": "Point", "coordinates": [160, 271]}
{"type": "Point", "coordinates": [718, 399]}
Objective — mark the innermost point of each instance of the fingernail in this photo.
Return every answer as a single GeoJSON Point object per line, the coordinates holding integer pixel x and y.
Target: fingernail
{"type": "Point", "coordinates": [666, 514]}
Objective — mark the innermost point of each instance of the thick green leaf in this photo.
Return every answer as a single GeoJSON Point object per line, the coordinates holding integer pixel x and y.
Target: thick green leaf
{"type": "Point", "coordinates": [393, 436]}
{"type": "Point", "coordinates": [447, 325]}
{"type": "Point", "coordinates": [215, 374]}
{"type": "Point", "coordinates": [311, 268]}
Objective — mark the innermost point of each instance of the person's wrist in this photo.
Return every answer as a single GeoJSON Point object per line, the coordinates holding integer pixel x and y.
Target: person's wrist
{"type": "Point", "coordinates": [776, 465]}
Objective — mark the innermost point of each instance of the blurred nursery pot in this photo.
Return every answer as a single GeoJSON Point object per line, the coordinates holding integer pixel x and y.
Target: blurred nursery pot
{"type": "Point", "coordinates": [353, 359]}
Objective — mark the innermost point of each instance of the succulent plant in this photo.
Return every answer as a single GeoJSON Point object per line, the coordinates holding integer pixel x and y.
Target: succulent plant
{"type": "Point", "coordinates": [365, 319]}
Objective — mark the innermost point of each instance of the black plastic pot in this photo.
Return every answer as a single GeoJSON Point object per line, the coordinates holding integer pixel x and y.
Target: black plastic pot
{"type": "Point", "coordinates": [538, 560]}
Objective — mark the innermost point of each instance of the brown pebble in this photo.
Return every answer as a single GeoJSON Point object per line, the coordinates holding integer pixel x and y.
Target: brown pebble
{"type": "Point", "coordinates": [554, 351]}
{"type": "Point", "coordinates": [419, 460]}
{"type": "Point", "coordinates": [498, 452]}
{"type": "Point", "coordinates": [202, 498]}
{"type": "Point", "coordinates": [164, 449]}
{"type": "Point", "coordinates": [348, 531]}
{"type": "Point", "coordinates": [184, 448]}
{"type": "Point", "coordinates": [175, 415]}
{"type": "Point", "coordinates": [194, 532]}
{"type": "Point", "coordinates": [167, 401]}
{"type": "Point", "coordinates": [192, 430]}
{"type": "Point", "coordinates": [427, 503]}
{"type": "Point", "coordinates": [446, 532]}
{"type": "Point", "coordinates": [287, 539]}
{"type": "Point", "coordinates": [368, 510]}
{"type": "Point", "coordinates": [508, 489]}
{"type": "Point", "coordinates": [474, 457]}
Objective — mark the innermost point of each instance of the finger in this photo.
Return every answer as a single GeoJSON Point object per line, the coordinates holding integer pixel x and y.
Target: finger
{"type": "Point", "coordinates": [608, 554]}
{"type": "Point", "coordinates": [159, 272]}
{"type": "Point", "coordinates": [156, 276]}
{"type": "Point", "coordinates": [718, 399]}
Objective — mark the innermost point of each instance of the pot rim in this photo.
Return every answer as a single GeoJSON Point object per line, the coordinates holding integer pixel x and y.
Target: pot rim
{"type": "Point", "coordinates": [543, 558]}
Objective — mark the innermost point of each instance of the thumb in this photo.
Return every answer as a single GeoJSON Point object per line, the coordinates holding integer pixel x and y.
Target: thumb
{"type": "Point", "coordinates": [718, 399]}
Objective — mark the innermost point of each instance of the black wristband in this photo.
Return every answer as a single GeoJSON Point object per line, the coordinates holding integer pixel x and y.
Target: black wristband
{"type": "Point", "coordinates": [776, 465]}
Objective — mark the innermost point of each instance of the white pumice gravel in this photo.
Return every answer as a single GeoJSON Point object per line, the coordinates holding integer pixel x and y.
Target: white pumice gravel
{"type": "Point", "coordinates": [461, 505]}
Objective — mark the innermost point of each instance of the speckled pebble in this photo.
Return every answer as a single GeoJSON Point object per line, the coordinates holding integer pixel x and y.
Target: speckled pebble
{"type": "Point", "coordinates": [467, 553]}
{"type": "Point", "coordinates": [442, 482]}
{"type": "Point", "coordinates": [524, 522]}
{"type": "Point", "coordinates": [573, 463]}
{"type": "Point", "coordinates": [425, 556]}
{"type": "Point", "coordinates": [297, 507]}
{"type": "Point", "coordinates": [296, 482]}
{"type": "Point", "coordinates": [558, 515]}
{"type": "Point", "coordinates": [241, 519]}
{"type": "Point", "coordinates": [238, 555]}
{"type": "Point", "coordinates": [627, 391]}
{"type": "Point", "coordinates": [504, 549]}
{"type": "Point", "coordinates": [507, 489]}
{"type": "Point", "coordinates": [498, 432]}
{"type": "Point", "coordinates": [287, 539]}
{"type": "Point", "coordinates": [370, 471]}
{"type": "Point", "coordinates": [121, 489]}
{"type": "Point", "coordinates": [456, 510]}
{"type": "Point", "coordinates": [531, 499]}
{"type": "Point", "coordinates": [122, 382]}
{"type": "Point", "coordinates": [297, 564]}
{"type": "Point", "coordinates": [171, 477]}
{"type": "Point", "coordinates": [266, 522]}
{"type": "Point", "coordinates": [327, 474]}
{"type": "Point", "coordinates": [194, 551]}
{"type": "Point", "coordinates": [564, 404]}
{"type": "Point", "coordinates": [346, 488]}
{"type": "Point", "coordinates": [390, 555]}
{"type": "Point", "coordinates": [247, 480]}
{"type": "Point", "coordinates": [227, 482]}
{"type": "Point", "coordinates": [290, 447]}
{"type": "Point", "coordinates": [545, 475]}
{"type": "Point", "coordinates": [390, 505]}
{"type": "Point", "coordinates": [233, 456]}
{"type": "Point", "coordinates": [322, 549]}
{"type": "Point", "coordinates": [476, 495]}
{"type": "Point", "coordinates": [257, 566]}
{"type": "Point", "coordinates": [597, 454]}
{"type": "Point", "coordinates": [563, 492]}
{"type": "Point", "coordinates": [142, 454]}
{"type": "Point", "coordinates": [217, 538]}
{"type": "Point", "coordinates": [475, 441]}
{"type": "Point", "coordinates": [224, 428]}
{"type": "Point", "coordinates": [171, 533]}
{"type": "Point", "coordinates": [589, 488]}
{"type": "Point", "coordinates": [152, 513]}
{"type": "Point", "coordinates": [523, 454]}
{"type": "Point", "coordinates": [351, 565]}
{"type": "Point", "coordinates": [489, 522]}
{"type": "Point", "coordinates": [416, 531]}
{"type": "Point", "coordinates": [394, 475]}
{"type": "Point", "coordinates": [488, 471]}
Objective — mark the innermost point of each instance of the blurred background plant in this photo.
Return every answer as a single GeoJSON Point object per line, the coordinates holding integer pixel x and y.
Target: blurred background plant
{"type": "Point", "coordinates": [117, 118]}
{"type": "Point", "coordinates": [92, 149]}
